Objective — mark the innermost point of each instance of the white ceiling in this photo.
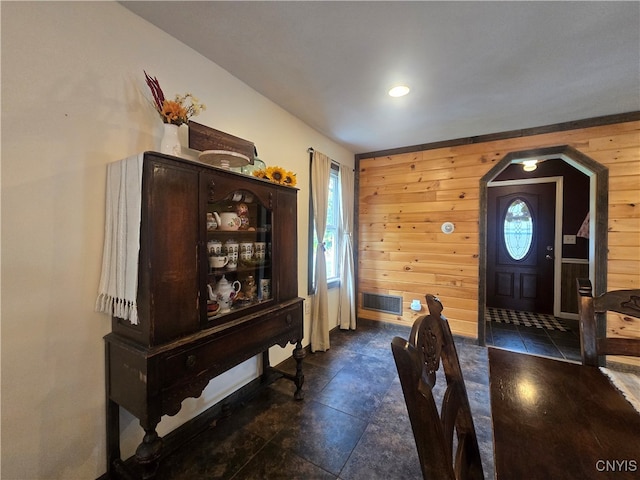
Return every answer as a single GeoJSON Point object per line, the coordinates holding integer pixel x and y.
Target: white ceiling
{"type": "Point", "coordinates": [474, 67]}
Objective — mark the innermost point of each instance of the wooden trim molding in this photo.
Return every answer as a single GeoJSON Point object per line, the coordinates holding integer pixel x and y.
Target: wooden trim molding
{"type": "Point", "coordinates": [603, 149]}
{"type": "Point", "coordinates": [599, 207]}
{"type": "Point", "coordinates": [525, 132]}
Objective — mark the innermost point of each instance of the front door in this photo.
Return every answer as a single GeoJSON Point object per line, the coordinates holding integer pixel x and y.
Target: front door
{"type": "Point", "coordinates": [520, 244]}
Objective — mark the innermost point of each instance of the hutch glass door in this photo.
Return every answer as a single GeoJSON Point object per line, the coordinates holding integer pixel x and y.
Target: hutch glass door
{"type": "Point", "coordinates": [238, 248]}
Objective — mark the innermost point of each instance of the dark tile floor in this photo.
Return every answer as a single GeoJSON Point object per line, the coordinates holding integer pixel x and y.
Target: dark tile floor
{"type": "Point", "coordinates": [352, 424]}
{"type": "Point", "coordinates": [538, 341]}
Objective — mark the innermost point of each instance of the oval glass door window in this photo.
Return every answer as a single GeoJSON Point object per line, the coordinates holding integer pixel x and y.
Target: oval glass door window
{"type": "Point", "coordinates": [517, 228]}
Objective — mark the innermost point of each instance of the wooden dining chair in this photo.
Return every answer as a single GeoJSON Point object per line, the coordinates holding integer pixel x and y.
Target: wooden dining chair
{"type": "Point", "coordinates": [417, 361]}
{"type": "Point", "coordinates": [594, 343]}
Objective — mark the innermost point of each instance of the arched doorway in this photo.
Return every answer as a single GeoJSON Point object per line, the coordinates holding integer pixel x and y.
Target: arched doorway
{"type": "Point", "coordinates": [598, 207]}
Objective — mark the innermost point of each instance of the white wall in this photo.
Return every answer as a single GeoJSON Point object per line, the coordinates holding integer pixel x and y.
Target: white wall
{"type": "Point", "coordinates": [74, 100]}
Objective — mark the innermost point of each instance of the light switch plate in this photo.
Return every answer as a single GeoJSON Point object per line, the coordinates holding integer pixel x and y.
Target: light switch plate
{"type": "Point", "coordinates": [569, 239]}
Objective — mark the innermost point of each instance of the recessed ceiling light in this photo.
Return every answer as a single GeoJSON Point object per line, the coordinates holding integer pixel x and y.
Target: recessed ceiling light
{"type": "Point", "coordinates": [399, 91]}
{"type": "Point", "coordinates": [529, 165]}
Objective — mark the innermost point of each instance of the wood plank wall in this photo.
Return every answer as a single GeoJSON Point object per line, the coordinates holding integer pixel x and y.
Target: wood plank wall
{"type": "Point", "coordinates": [403, 200]}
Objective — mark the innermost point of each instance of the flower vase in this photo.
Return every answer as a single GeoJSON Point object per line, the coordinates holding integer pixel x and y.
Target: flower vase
{"type": "Point", "coordinates": [170, 143]}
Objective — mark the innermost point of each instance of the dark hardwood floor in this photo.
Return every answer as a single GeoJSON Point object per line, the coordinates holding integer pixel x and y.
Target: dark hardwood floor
{"type": "Point", "coordinates": [353, 422]}
{"type": "Point", "coordinates": [351, 425]}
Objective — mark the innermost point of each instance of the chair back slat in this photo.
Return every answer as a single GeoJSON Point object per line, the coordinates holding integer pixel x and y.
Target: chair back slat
{"type": "Point", "coordinates": [622, 346]}
{"type": "Point", "coordinates": [430, 345]}
{"type": "Point", "coordinates": [450, 410]}
{"type": "Point", "coordinates": [422, 411]}
{"type": "Point", "coordinates": [594, 344]}
{"type": "Point", "coordinates": [626, 302]}
{"type": "Point", "coordinates": [426, 336]}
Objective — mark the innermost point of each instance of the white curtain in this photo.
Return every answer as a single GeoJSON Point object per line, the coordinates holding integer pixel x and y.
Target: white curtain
{"type": "Point", "coordinates": [320, 176]}
{"type": "Point", "coordinates": [347, 300]}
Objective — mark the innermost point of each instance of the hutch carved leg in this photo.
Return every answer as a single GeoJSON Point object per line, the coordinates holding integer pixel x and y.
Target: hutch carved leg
{"type": "Point", "coordinates": [298, 378]}
{"type": "Point", "coordinates": [148, 453]}
{"type": "Point", "coordinates": [113, 435]}
{"type": "Point", "coordinates": [299, 354]}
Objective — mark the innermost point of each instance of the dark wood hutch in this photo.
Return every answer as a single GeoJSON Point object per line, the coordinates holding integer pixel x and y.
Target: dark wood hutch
{"type": "Point", "coordinates": [180, 342]}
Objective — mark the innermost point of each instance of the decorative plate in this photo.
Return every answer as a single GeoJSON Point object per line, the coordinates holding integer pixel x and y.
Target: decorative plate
{"type": "Point", "coordinates": [223, 158]}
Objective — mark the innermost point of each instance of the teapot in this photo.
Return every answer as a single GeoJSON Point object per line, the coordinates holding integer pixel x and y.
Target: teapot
{"type": "Point", "coordinates": [228, 221]}
{"type": "Point", "coordinates": [225, 292]}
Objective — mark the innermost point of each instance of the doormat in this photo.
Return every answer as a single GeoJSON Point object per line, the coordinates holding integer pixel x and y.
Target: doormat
{"type": "Point", "coordinates": [527, 319]}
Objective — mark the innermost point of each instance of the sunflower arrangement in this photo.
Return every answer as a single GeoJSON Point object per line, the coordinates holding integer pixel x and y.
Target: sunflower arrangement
{"type": "Point", "coordinates": [277, 175]}
{"type": "Point", "coordinates": [176, 111]}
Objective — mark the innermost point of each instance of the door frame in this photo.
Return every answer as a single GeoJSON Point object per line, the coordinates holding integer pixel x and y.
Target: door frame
{"type": "Point", "coordinates": [598, 207]}
{"type": "Point", "coordinates": [557, 234]}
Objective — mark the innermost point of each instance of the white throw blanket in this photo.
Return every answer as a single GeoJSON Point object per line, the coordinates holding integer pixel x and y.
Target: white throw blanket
{"type": "Point", "coordinates": [628, 383]}
{"type": "Point", "coordinates": [119, 279]}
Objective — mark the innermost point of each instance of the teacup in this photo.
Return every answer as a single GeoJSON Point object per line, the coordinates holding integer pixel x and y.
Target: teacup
{"type": "Point", "coordinates": [211, 222]}
{"type": "Point", "coordinates": [246, 247]}
{"type": "Point", "coordinates": [218, 261]}
{"type": "Point", "coordinates": [265, 288]}
{"type": "Point", "coordinates": [230, 247]}
{"type": "Point", "coordinates": [233, 261]}
{"type": "Point", "coordinates": [259, 249]}
{"type": "Point", "coordinates": [214, 247]}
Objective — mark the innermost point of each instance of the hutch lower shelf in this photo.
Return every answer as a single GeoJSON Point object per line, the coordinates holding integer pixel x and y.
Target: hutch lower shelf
{"type": "Point", "coordinates": [152, 382]}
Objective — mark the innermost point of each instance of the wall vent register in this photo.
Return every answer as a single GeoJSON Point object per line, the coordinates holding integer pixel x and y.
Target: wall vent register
{"type": "Point", "coordinates": [382, 303]}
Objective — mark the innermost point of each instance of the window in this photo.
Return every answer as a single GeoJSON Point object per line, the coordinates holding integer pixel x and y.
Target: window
{"type": "Point", "coordinates": [518, 229]}
{"type": "Point", "coordinates": [331, 234]}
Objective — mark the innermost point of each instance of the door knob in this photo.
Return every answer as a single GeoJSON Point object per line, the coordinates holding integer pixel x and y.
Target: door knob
{"type": "Point", "coordinates": [548, 257]}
